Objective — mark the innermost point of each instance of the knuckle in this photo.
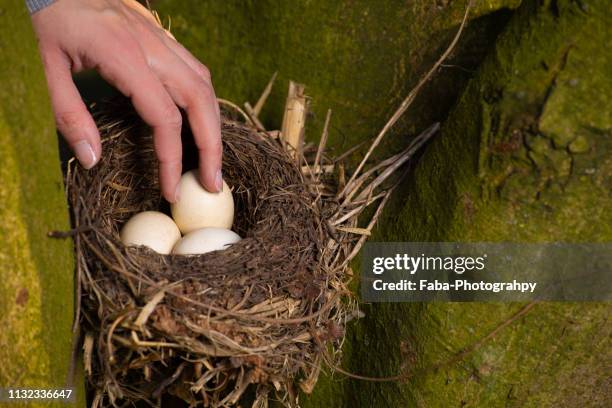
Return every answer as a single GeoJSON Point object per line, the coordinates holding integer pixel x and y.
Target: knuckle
{"type": "Point", "coordinates": [113, 15]}
{"type": "Point", "coordinates": [113, 20]}
{"type": "Point", "coordinates": [171, 116]}
{"type": "Point", "coordinates": [205, 72]}
{"type": "Point", "coordinates": [203, 94]}
{"type": "Point", "coordinates": [128, 48]}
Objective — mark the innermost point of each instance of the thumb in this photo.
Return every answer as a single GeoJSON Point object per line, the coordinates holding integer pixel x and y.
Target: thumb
{"type": "Point", "coordinates": [71, 116]}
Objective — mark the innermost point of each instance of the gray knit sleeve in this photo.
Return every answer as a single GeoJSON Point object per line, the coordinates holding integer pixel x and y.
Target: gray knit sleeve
{"type": "Point", "coordinates": [35, 5]}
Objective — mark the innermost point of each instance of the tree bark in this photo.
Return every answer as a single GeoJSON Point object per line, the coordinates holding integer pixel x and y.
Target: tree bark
{"type": "Point", "coordinates": [36, 272]}
{"type": "Point", "coordinates": [525, 156]}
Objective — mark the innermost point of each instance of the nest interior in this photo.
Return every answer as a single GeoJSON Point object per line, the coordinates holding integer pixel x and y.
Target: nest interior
{"type": "Point", "coordinates": [203, 328]}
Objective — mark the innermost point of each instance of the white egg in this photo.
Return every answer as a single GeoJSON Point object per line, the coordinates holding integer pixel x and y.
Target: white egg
{"type": "Point", "coordinates": [205, 240]}
{"type": "Point", "coordinates": [151, 229]}
{"type": "Point", "coordinates": [199, 208]}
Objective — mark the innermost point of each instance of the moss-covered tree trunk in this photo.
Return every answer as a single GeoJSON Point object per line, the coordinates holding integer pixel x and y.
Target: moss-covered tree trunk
{"type": "Point", "coordinates": [525, 155]}
{"type": "Point", "coordinates": [36, 273]}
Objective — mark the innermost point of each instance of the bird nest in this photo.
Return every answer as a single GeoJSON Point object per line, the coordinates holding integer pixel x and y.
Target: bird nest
{"type": "Point", "coordinates": [259, 318]}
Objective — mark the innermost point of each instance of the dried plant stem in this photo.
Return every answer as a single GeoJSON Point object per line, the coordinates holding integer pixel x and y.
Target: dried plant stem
{"type": "Point", "coordinates": [237, 108]}
{"type": "Point", "coordinates": [357, 247]}
{"type": "Point", "coordinates": [414, 147]}
{"type": "Point", "coordinates": [408, 100]}
{"type": "Point", "coordinates": [294, 118]}
{"type": "Point", "coordinates": [327, 168]}
{"type": "Point", "coordinates": [253, 116]}
{"type": "Point", "coordinates": [264, 95]}
{"type": "Point", "coordinates": [323, 141]}
{"type": "Point", "coordinates": [391, 162]}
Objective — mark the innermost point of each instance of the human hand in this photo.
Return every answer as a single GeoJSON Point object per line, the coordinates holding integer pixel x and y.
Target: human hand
{"type": "Point", "coordinates": [122, 40]}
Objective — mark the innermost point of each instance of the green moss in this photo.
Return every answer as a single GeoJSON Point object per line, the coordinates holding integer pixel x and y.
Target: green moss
{"type": "Point", "coordinates": [37, 288]}
{"type": "Point", "coordinates": [507, 157]}
{"type": "Point", "coordinates": [501, 170]}
{"type": "Point", "coordinates": [358, 58]}
{"type": "Point", "coordinates": [579, 145]}
{"type": "Point", "coordinates": [20, 307]}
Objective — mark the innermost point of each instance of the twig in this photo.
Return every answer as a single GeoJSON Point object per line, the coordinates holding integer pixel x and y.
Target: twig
{"type": "Point", "coordinates": [351, 150]}
{"type": "Point", "coordinates": [392, 161]}
{"type": "Point", "coordinates": [88, 344]}
{"type": "Point", "coordinates": [237, 108]}
{"type": "Point", "coordinates": [328, 168]}
{"type": "Point", "coordinates": [249, 109]}
{"type": "Point", "coordinates": [146, 311]}
{"type": "Point", "coordinates": [355, 230]}
{"type": "Point", "coordinates": [272, 321]}
{"type": "Point", "coordinates": [69, 233]}
{"type": "Point", "coordinates": [264, 96]}
{"type": "Point", "coordinates": [370, 226]}
{"type": "Point", "coordinates": [405, 157]}
{"type": "Point", "coordinates": [165, 383]}
{"type": "Point", "coordinates": [323, 141]}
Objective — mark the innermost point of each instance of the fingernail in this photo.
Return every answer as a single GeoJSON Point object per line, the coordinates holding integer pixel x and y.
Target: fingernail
{"type": "Point", "coordinates": [219, 181]}
{"type": "Point", "coordinates": [85, 154]}
{"type": "Point", "coordinates": [177, 193]}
